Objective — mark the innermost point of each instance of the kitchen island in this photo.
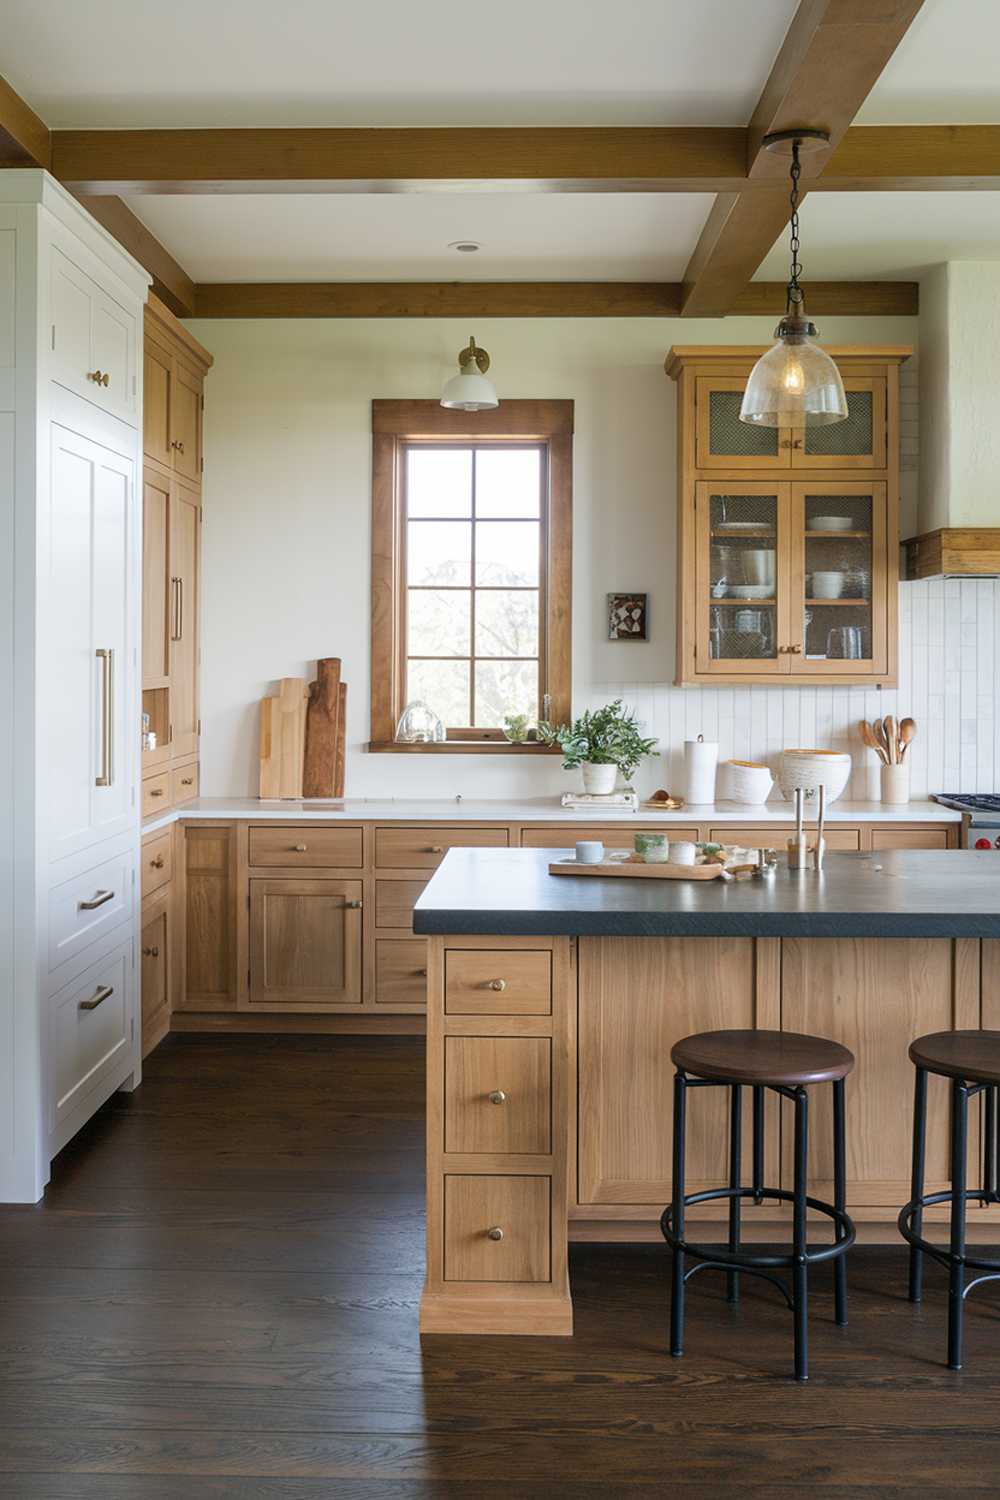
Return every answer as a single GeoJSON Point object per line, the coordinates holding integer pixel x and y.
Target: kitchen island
{"type": "Point", "coordinates": [553, 1002]}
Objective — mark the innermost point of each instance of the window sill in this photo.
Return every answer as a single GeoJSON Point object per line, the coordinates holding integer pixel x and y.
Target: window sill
{"type": "Point", "coordinates": [462, 747]}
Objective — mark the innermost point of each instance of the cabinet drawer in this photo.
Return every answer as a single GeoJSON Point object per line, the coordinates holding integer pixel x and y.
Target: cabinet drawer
{"type": "Point", "coordinates": [498, 1094]}
{"type": "Point", "coordinates": [157, 861]}
{"type": "Point", "coordinates": [91, 1021]}
{"type": "Point", "coordinates": [83, 908]}
{"type": "Point", "coordinates": [909, 838]}
{"type": "Point", "coordinates": [518, 1212]}
{"type": "Point", "coordinates": [498, 982]}
{"type": "Point", "coordinates": [184, 783]}
{"type": "Point", "coordinates": [774, 835]}
{"type": "Point", "coordinates": [395, 900]}
{"type": "Point", "coordinates": [156, 794]}
{"type": "Point", "coordinates": [424, 848]}
{"type": "Point", "coordinates": [401, 971]}
{"type": "Point", "coordinates": [565, 835]}
{"type": "Point", "coordinates": [309, 847]}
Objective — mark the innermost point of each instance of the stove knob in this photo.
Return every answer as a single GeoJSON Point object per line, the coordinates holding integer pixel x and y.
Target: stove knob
{"type": "Point", "coordinates": [983, 844]}
{"type": "Point", "coordinates": [996, 843]}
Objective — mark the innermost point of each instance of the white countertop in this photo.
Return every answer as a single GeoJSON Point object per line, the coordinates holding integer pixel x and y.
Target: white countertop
{"type": "Point", "coordinates": [535, 810]}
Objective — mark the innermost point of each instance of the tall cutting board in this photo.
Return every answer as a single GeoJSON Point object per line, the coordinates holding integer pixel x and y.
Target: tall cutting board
{"type": "Point", "coordinates": [283, 739]}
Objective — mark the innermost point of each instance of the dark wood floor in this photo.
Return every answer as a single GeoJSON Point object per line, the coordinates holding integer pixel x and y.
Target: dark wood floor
{"type": "Point", "coordinates": [218, 1298]}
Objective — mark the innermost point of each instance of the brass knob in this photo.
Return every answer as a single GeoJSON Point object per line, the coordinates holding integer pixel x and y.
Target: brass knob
{"type": "Point", "coordinates": [300, 848]}
{"type": "Point", "coordinates": [178, 445]}
{"type": "Point", "coordinates": [157, 863]}
{"type": "Point", "coordinates": [496, 1233]}
{"type": "Point", "coordinates": [187, 781]}
{"type": "Point", "coordinates": [353, 905]}
{"type": "Point", "coordinates": [150, 952]}
{"type": "Point", "coordinates": [498, 1097]}
{"type": "Point", "coordinates": [99, 377]}
{"type": "Point", "coordinates": [497, 984]}
{"type": "Point", "coordinates": [420, 973]}
{"type": "Point", "coordinates": [795, 650]}
{"type": "Point", "coordinates": [435, 849]}
{"type": "Point", "coordinates": [797, 443]}
{"type": "Point", "coordinates": [156, 791]}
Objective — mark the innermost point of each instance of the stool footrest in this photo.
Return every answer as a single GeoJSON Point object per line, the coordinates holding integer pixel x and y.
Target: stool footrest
{"type": "Point", "coordinates": [941, 1253]}
{"type": "Point", "coordinates": [737, 1260]}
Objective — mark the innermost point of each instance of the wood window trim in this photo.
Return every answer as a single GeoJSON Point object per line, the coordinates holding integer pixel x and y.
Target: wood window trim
{"type": "Point", "coordinates": [394, 423]}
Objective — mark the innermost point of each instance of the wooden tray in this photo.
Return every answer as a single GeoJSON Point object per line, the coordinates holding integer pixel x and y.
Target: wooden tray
{"type": "Point", "coordinates": [632, 866]}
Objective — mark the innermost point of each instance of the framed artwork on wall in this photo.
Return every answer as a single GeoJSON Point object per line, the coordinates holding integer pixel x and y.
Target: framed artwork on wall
{"type": "Point", "coordinates": [627, 617]}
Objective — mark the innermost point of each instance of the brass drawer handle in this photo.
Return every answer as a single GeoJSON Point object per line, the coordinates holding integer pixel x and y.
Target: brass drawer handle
{"type": "Point", "coordinates": [498, 1097]}
{"type": "Point", "coordinates": [98, 997]}
{"type": "Point", "coordinates": [158, 862]}
{"type": "Point", "coordinates": [99, 377]}
{"type": "Point", "coordinates": [156, 791]}
{"type": "Point", "coordinates": [497, 984]}
{"type": "Point", "coordinates": [150, 952]}
{"type": "Point", "coordinates": [187, 781]}
{"type": "Point", "coordinates": [299, 848]}
{"type": "Point", "coordinates": [96, 900]}
{"type": "Point", "coordinates": [496, 1233]}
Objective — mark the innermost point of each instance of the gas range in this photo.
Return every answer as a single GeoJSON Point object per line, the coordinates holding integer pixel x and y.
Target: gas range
{"type": "Point", "coordinates": [980, 818]}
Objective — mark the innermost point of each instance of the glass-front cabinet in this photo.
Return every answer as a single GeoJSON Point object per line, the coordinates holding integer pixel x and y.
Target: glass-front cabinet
{"type": "Point", "coordinates": [788, 539]}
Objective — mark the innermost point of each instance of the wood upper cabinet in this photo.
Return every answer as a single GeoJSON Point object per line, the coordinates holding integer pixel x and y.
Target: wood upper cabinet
{"type": "Point", "coordinates": [174, 367]}
{"type": "Point", "coordinates": [305, 944]}
{"type": "Point", "coordinates": [185, 552]}
{"type": "Point", "coordinates": [788, 539]}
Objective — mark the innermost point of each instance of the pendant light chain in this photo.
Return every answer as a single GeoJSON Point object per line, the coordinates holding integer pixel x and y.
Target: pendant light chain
{"type": "Point", "coordinates": [795, 295]}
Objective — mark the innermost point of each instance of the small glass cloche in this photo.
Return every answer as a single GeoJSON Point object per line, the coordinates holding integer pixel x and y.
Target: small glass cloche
{"type": "Point", "coordinates": [419, 725]}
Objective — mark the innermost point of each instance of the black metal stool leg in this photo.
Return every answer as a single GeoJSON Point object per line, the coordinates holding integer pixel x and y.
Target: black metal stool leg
{"type": "Point", "coordinates": [917, 1181]}
{"type": "Point", "coordinates": [735, 1166]}
{"type": "Point", "coordinates": [839, 1200]}
{"type": "Point", "coordinates": [800, 1273]}
{"type": "Point", "coordinates": [758, 1143]}
{"type": "Point", "coordinates": [956, 1277]}
{"type": "Point", "coordinates": [990, 1147]}
{"type": "Point", "coordinates": [677, 1219]}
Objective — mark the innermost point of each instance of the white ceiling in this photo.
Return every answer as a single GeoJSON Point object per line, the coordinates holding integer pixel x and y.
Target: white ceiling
{"type": "Point", "coordinates": [544, 237]}
{"type": "Point", "coordinates": [945, 71]}
{"type": "Point", "coordinates": [96, 63]}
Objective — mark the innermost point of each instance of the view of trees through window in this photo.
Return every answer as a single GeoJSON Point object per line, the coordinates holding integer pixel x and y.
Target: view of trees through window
{"type": "Point", "coordinates": [474, 571]}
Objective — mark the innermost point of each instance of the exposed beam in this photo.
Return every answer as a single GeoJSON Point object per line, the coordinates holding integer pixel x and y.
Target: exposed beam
{"type": "Point", "coordinates": [914, 158]}
{"type": "Point", "coordinates": [171, 282]}
{"type": "Point", "coordinates": [25, 140]}
{"type": "Point", "coordinates": [526, 299]}
{"type": "Point", "coordinates": [832, 55]}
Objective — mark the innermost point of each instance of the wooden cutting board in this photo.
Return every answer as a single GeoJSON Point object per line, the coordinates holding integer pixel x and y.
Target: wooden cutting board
{"type": "Point", "coordinates": [323, 730]}
{"type": "Point", "coordinates": [631, 866]}
{"type": "Point", "coordinates": [283, 739]}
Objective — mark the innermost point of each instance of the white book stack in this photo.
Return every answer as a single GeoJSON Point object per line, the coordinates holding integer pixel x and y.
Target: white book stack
{"type": "Point", "coordinates": [611, 802]}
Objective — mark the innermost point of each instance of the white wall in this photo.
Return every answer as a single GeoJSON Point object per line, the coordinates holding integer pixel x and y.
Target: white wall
{"type": "Point", "coordinates": [286, 548]}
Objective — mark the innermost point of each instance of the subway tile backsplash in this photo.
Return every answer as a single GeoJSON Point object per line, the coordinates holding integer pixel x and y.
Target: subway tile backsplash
{"type": "Point", "coordinates": [949, 682]}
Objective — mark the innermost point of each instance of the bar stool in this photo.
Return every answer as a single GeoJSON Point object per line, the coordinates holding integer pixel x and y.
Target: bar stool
{"type": "Point", "coordinates": [971, 1059]}
{"type": "Point", "coordinates": [786, 1063]}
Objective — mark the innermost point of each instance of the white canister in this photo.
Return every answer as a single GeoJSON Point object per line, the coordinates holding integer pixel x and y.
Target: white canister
{"type": "Point", "coordinates": [896, 783]}
{"type": "Point", "coordinates": [589, 851]}
{"type": "Point", "coordinates": [701, 757]}
{"type": "Point", "coordinates": [682, 852]}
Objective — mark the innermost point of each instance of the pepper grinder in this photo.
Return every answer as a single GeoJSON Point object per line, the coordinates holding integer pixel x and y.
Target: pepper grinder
{"type": "Point", "coordinates": [820, 849]}
{"type": "Point", "coordinates": [798, 852]}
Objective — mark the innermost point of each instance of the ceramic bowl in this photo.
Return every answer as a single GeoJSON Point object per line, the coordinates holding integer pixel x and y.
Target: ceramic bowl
{"type": "Point", "coordinates": [746, 781]}
{"type": "Point", "coordinates": [830, 523]}
{"type": "Point", "coordinates": [813, 768]}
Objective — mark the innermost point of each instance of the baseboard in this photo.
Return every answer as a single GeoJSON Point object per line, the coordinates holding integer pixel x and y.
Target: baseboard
{"type": "Point", "coordinates": [364, 1024]}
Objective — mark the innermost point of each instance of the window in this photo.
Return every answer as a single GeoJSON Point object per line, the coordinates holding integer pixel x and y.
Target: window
{"type": "Point", "coordinates": [470, 567]}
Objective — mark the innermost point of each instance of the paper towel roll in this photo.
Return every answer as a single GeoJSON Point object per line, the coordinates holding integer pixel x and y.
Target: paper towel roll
{"type": "Point", "coordinates": [700, 759]}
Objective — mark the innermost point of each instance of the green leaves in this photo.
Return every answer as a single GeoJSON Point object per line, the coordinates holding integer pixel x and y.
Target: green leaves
{"type": "Point", "coordinates": [607, 737]}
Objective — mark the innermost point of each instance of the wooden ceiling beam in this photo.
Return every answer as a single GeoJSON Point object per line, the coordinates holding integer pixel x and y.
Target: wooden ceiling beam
{"type": "Point", "coordinates": [25, 140]}
{"type": "Point", "coordinates": [171, 283]}
{"type": "Point", "coordinates": [522, 299]}
{"type": "Point", "coordinates": [832, 55]}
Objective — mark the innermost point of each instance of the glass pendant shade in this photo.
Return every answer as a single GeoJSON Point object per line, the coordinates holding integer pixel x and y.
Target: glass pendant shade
{"type": "Point", "coordinates": [795, 384]}
{"type": "Point", "coordinates": [470, 391]}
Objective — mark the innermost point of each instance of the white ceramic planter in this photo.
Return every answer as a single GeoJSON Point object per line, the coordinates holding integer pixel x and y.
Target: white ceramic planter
{"type": "Point", "coordinates": [599, 781]}
{"type": "Point", "coordinates": [747, 781]}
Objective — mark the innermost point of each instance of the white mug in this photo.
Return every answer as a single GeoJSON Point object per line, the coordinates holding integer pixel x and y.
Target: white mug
{"type": "Point", "coordinates": [589, 852]}
{"type": "Point", "coordinates": [683, 852]}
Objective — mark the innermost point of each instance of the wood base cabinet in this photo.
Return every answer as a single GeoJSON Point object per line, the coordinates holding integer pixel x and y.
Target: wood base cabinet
{"type": "Point", "coordinates": [305, 943]}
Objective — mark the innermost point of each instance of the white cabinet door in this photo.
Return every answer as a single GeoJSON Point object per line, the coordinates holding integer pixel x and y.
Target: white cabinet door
{"type": "Point", "coordinates": [93, 340]}
{"type": "Point", "coordinates": [87, 670]}
{"type": "Point", "coordinates": [90, 1039]}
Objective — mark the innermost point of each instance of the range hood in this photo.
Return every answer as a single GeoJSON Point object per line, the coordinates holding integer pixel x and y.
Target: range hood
{"type": "Point", "coordinates": [954, 552]}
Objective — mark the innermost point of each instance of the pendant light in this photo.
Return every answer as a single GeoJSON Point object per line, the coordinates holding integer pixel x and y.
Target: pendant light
{"type": "Point", "coordinates": [796, 383]}
{"type": "Point", "coordinates": [469, 390]}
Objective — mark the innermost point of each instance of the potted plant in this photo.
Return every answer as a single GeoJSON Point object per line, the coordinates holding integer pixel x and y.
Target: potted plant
{"type": "Point", "coordinates": [602, 744]}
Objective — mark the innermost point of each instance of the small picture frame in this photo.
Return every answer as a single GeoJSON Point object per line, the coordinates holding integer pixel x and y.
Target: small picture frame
{"type": "Point", "coordinates": [627, 617]}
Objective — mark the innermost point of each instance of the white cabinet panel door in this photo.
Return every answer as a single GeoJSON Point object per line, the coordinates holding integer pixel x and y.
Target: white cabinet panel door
{"type": "Point", "coordinates": [93, 340]}
{"type": "Point", "coordinates": [88, 668]}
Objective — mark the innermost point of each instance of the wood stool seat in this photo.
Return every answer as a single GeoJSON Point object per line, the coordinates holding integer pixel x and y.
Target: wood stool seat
{"type": "Point", "coordinates": [784, 1058]}
{"type": "Point", "coordinates": [959, 1054]}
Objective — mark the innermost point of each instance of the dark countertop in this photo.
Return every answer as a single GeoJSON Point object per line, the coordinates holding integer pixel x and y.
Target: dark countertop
{"type": "Point", "coordinates": [898, 893]}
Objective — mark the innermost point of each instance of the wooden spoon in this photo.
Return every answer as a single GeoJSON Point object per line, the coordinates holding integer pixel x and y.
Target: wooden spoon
{"type": "Point", "coordinates": [879, 728]}
{"type": "Point", "coordinates": [907, 732]}
{"type": "Point", "coordinates": [889, 724]}
{"type": "Point", "coordinates": [869, 739]}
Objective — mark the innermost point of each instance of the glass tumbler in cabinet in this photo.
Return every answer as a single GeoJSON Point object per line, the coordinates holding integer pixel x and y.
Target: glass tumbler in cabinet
{"type": "Point", "coordinates": [739, 593]}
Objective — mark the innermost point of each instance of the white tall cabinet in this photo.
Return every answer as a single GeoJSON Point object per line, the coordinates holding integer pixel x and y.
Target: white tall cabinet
{"type": "Point", "coordinates": [71, 304]}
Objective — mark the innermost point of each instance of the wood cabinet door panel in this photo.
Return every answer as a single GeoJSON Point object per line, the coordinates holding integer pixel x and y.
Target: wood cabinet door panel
{"type": "Point", "coordinates": [184, 614]}
{"type": "Point", "coordinates": [154, 948]}
{"type": "Point", "coordinates": [519, 1207]}
{"type": "Point", "coordinates": [156, 367]}
{"type": "Point", "coordinates": [155, 580]}
{"type": "Point", "coordinates": [185, 422]}
{"type": "Point", "coordinates": [498, 1094]}
{"type": "Point", "coordinates": [210, 919]}
{"type": "Point", "coordinates": [395, 900]}
{"type": "Point", "coordinates": [157, 861]}
{"type": "Point", "coordinates": [401, 971]}
{"type": "Point", "coordinates": [885, 837]}
{"type": "Point", "coordinates": [638, 996]}
{"type": "Point", "coordinates": [722, 441]}
{"type": "Point", "coordinates": [424, 848]}
{"type": "Point", "coordinates": [875, 995]}
{"type": "Point", "coordinates": [859, 442]}
{"type": "Point", "coordinates": [305, 943]}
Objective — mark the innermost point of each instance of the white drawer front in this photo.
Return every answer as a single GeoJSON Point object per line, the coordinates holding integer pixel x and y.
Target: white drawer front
{"type": "Point", "coordinates": [88, 905]}
{"type": "Point", "coordinates": [91, 1029]}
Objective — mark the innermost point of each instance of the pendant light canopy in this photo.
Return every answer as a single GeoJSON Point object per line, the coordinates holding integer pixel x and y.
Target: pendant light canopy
{"type": "Point", "coordinates": [469, 390]}
{"type": "Point", "coordinates": [796, 383]}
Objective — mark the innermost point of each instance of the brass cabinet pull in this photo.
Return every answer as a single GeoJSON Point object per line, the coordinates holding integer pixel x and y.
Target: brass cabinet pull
{"type": "Point", "coordinates": [498, 1097]}
{"type": "Point", "coordinates": [99, 377]}
{"type": "Point", "coordinates": [795, 650]}
{"type": "Point", "coordinates": [178, 445]}
{"type": "Point", "coordinates": [187, 781]}
{"type": "Point", "coordinates": [177, 604]}
{"type": "Point", "coordinates": [796, 442]}
{"type": "Point", "coordinates": [158, 862]}
{"type": "Point", "coordinates": [420, 973]}
{"type": "Point", "coordinates": [353, 905]}
{"type": "Point", "coordinates": [496, 1233]}
{"type": "Point", "coordinates": [96, 900]}
{"type": "Point", "coordinates": [98, 997]}
{"type": "Point", "coordinates": [151, 952]}
{"type": "Point", "coordinates": [434, 849]}
{"type": "Point", "coordinates": [156, 791]}
{"type": "Point", "coordinates": [497, 984]}
{"type": "Point", "coordinates": [106, 656]}
{"type": "Point", "coordinates": [300, 848]}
